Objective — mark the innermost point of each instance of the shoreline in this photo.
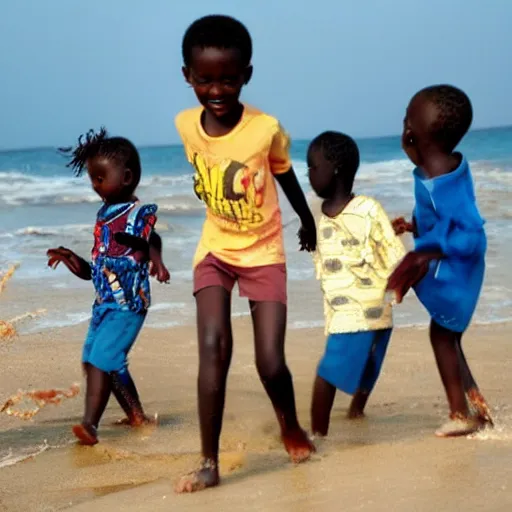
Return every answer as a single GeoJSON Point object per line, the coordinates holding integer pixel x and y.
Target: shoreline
{"type": "Point", "coordinates": [391, 458]}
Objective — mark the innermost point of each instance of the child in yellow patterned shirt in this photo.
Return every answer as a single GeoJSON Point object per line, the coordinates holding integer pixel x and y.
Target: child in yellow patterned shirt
{"type": "Point", "coordinates": [357, 251]}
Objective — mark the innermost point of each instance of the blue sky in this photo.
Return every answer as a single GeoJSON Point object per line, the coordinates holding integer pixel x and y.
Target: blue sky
{"type": "Point", "coordinates": [350, 65]}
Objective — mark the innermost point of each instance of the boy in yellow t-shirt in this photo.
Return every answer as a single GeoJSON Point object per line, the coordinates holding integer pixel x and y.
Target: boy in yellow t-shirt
{"type": "Point", "coordinates": [238, 154]}
{"type": "Point", "coordinates": [357, 251]}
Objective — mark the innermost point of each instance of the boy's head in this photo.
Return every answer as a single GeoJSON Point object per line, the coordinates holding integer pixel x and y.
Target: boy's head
{"type": "Point", "coordinates": [113, 164]}
{"type": "Point", "coordinates": [436, 120]}
{"type": "Point", "coordinates": [217, 52]}
{"type": "Point", "coordinates": [333, 160]}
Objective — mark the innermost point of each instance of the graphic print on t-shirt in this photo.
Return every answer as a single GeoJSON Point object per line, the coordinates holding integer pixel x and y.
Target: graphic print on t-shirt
{"type": "Point", "coordinates": [231, 190]}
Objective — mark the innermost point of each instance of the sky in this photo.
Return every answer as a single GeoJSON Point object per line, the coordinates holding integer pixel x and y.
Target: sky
{"type": "Point", "coordinates": [67, 65]}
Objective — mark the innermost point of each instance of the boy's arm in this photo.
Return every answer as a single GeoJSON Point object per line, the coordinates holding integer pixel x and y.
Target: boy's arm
{"type": "Point", "coordinates": [75, 263]}
{"type": "Point", "coordinates": [293, 191]}
{"type": "Point", "coordinates": [281, 168]}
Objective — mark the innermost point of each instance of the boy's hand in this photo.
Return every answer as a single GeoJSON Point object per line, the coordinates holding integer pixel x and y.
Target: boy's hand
{"type": "Point", "coordinates": [410, 271]}
{"type": "Point", "coordinates": [66, 256]}
{"type": "Point", "coordinates": [401, 226]}
{"type": "Point", "coordinates": [307, 238]}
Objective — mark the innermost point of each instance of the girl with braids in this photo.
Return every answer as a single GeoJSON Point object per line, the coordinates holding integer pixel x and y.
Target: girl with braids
{"type": "Point", "coordinates": [126, 252]}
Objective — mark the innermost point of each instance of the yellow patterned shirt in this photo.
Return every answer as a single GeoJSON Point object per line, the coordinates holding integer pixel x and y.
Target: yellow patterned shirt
{"type": "Point", "coordinates": [234, 177]}
{"type": "Point", "coordinates": [356, 253]}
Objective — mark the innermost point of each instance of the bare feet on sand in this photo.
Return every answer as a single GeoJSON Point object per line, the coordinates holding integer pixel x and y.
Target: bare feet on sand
{"type": "Point", "coordinates": [298, 445]}
{"type": "Point", "coordinates": [86, 434]}
{"type": "Point", "coordinates": [458, 426]}
{"type": "Point", "coordinates": [478, 403]}
{"type": "Point", "coordinates": [206, 476]}
{"type": "Point", "coordinates": [139, 421]}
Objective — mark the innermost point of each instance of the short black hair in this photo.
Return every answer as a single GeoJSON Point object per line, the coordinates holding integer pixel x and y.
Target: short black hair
{"type": "Point", "coordinates": [342, 151]}
{"type": "Point", "coordinates": [94, 144]}
{"type": "Point", "coordinates": [455, 114]}
{"type": "Point", "coordinates": [217, 31]}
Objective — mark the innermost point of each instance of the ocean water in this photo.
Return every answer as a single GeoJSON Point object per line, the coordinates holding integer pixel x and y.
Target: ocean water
{"type": "Point", "coordinates": [42, 205]}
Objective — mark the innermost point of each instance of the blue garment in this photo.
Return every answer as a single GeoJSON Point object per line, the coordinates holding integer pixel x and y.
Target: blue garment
{"type": "Point", "coordinates": [119, 274]}
{"type": "Point", "coordinates": [111, 335]}
{"type": "Point", "coordinates": [352, 361]}
{"type": "Point", "coordinates": [448, 220]}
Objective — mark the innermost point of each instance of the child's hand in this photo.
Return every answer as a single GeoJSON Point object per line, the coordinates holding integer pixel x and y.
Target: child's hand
{"type": "Point", "coordinates": [411, 270]}
{"type": "Point", "coordinates": [66, 256]}
{"type": "Point", "coordinates": [159, 270]}
{"type": "Point", "coordinates": [401, 226]}
{"type": "Point", "coordinates": [307, 238]}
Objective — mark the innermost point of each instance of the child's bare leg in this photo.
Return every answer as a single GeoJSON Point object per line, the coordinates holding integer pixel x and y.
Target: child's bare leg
{"type": "Point", "coordinates": [445, 345]}
{"type": "Point", "coordinates": [269, 324]}
{"type": "Point", "coordinates": [321, 406]}
{"type": "Point", "coordinates": [127, 396]}
{"type": "Point", "coordinates": [475, 397]}
{"type": "Point", "coordinates": [215, 348]}
{"type": "Point", "coordinates": [96, 399]}
{"type": "Point", "coordinates": [358, 403]}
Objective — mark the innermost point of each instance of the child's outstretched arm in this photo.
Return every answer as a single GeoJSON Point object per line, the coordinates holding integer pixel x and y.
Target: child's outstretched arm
{"type": "Point", "coordinates": [293, 191]}
{"type": "Point", "coordinates": [75, 263]}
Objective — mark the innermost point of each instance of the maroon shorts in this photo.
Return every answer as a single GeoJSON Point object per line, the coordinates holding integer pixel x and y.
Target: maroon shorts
{"type": "Point", "coordinates": [266, 283]}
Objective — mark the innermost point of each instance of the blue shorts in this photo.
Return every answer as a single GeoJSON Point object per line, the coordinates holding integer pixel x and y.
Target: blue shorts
{"type": "Point", "coordinates": [352, 361]}
{"type": "Point", "coordinates": [111, 336]}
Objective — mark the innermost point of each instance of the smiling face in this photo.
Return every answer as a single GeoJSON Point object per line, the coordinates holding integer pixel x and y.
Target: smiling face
{"type": "Point", "coordinates": [110, 180]}
{"type": "Point", "coordinates": [217, 76]}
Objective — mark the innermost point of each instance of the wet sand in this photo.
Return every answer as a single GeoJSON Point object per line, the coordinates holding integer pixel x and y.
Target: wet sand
{"type": "Point", "coordinates": [387, 461]}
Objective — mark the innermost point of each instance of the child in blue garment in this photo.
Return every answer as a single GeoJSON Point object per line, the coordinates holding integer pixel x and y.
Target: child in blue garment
{"type": "Point", "coordinates": [447, 265]}
{"type": "Point", "coordinates": [357, 249]}
{"type": "Point", "coordinates": [124, 244]}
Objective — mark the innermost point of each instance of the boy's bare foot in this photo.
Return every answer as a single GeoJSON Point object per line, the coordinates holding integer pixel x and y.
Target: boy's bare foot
{"type": "Point", "coordinates": [298, 445]}
{"type": "Point", "coordinates": [357, 405]}
{"type": "Point", "coordinates": [477, 402]}
{"type": "Point", "coordinates": [458, 426]}
{"type": "Point", "coordinates": [206, 476]}
{"type": "Point", "coordinates": [355, 414]}
{"type": "Point", "coordinates": [138, 421]}
{"type": "Point", "coordinates": [86, 434]}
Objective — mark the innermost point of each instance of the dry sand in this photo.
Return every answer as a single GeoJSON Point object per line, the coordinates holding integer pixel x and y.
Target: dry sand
{"type": "Point", "coordinates": [388, 461]}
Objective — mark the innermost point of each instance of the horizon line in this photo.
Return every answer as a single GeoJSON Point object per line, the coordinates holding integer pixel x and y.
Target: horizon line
{"type": "Point", "coordinates": [157, 146]}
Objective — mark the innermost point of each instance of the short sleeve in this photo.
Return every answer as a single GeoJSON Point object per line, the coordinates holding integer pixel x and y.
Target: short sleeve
{"type": "Point", "coordinates": [279, 155]}
{"type": "Point", "coordinates": [390, 248]}
{"type": "Point", "coordinates": [142, 220]}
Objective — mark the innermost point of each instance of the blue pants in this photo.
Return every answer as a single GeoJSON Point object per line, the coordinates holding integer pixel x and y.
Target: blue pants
{"type": "Point", "coordinates": [352, 361]}
{"type": "Point", "coordinates": [111, 335]}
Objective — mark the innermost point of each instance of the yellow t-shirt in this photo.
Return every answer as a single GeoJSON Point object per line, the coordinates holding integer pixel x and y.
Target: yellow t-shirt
{"type": "Point", "coordinates": [356, 253]}
{"type": "Point", "coordinates": [234, 178]}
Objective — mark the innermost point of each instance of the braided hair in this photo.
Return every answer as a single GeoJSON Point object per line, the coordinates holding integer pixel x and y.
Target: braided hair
{"type": "Point", "coordinates": [94, 144]}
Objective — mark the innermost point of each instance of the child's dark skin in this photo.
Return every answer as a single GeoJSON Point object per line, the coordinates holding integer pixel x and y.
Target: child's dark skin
{"type": "Point", "coordinates": [323, 179]}
{"type": "Point", "coordinates": [217, 77]}
{"type": "Point", "coordinates": [113, 185]}
{"type": "Point", "coordinates": [451, 362]}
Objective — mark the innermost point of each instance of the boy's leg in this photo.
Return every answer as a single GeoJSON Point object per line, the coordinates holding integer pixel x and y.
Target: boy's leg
{"type": "Point", "coordinates": [215, 348]}
{"type": "Point", "coordinates": [269, 323]}
{"type": "Point", "coordinates": [321, 406]}
{"type": "Point", "coordinates": [475, 397]}
{"type": "Point", "coordinates": [445, 345]}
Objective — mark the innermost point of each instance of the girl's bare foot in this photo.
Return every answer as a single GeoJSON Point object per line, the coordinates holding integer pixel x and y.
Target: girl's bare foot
{"type": "Point", "coordinates": [357, 405]}
{"type": "Point", "coordinates": [206, 476]}
{"type": "Point", "coordinates": [86, 434]}
{"type": "Point", "coordinates": [138, 421]}
{"type": "Point", "coordinates": [298, 445]}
